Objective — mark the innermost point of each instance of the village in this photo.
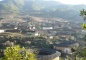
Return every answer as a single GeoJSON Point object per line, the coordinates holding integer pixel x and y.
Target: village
{"type": "Point", "coordinates": [62, 36]}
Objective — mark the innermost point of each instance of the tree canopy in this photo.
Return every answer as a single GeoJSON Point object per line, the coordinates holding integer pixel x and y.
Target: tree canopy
{"type": "Point", "coordinates": [17, 53]}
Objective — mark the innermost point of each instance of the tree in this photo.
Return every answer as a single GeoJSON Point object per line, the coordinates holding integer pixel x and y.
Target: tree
{"type": "Point", "coordinates": [83, 14]}
{"type": "Point", "coordinates": [17, 53]}
{"type": "Point", "coordinates": [81, 53]}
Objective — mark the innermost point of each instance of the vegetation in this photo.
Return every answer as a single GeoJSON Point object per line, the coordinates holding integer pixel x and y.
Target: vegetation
{"type": "Point", "coordinates": [41, 9]}
{"type": "Point", "coordinates": [17, 53]}
{"type": "Point", "coordinates": [10, 39]}
{"type": "Point", "coordinates": [81, 53]}
{"type": "Point", "coordinates": [11, 6]}
{"type": "Point", "coordinates": [83, 13]}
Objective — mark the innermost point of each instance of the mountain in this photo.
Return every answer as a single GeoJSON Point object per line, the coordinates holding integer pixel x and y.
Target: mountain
{"type": "Point", "coordinates": [53, 9]}
{"type": "Point", "coordinates": [11, 6]}
{"type": "Point", "coordinates": [41, 8]}
{"type": "Point", "coordinates": [68, 12]}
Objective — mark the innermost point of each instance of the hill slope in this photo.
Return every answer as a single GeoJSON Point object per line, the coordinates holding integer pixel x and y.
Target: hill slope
{"type": "Point", "coordinates": [41, 8]}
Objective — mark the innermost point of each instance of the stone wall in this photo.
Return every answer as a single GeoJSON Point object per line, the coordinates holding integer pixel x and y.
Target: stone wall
{"type": "Point", "coordinates": [57, 58]}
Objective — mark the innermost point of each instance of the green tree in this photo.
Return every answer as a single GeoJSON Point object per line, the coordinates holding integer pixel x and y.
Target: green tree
{"type": "Point", "coordinates": [83, 13]}
{"type": "Point", "coordinates": [17, 53]}
{"type": "Point", "coordinates": [81, 53]}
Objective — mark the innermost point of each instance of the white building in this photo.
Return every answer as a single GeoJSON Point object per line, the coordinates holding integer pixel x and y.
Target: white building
{"type": "Point", "coordinates": [47, 28]}
{"type": "Point", "coordinates": [37, 34]}
{"type": "Point", "coordinates": [1, 31]}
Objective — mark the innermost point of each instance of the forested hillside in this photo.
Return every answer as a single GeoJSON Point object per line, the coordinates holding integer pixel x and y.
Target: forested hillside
{"type": "Point", "coordinates": [40, 8]}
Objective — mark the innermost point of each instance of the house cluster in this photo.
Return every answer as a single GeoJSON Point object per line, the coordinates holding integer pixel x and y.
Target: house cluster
{"type": "Point", "coordinates": [65, 33]}
{"type": "Point", "coordinates": [17, 27]}
{"type": "Point", "coordinates": [66, 30]}
{"type": "Point", "coordinates": [68, 35]}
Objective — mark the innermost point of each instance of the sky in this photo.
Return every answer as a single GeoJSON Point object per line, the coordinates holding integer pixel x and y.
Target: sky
{"type": "Point", "coordinates": [73, 2]}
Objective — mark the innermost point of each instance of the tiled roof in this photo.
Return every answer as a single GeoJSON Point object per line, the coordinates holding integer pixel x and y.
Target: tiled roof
{"type": "Point", "coordinates": [52, 54]}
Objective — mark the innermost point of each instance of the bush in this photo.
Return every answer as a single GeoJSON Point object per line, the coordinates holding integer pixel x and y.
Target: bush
{"type": "Point", "coordinates": [17, 53]}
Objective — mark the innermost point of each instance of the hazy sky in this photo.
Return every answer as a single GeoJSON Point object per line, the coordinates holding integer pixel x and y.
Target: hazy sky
{"type": "Point", "coordinates": [72, 1]}
{"type": "Point", "coordinates": [69, 1]}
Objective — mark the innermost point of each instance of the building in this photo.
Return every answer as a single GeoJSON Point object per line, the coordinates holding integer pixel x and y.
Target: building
{"type": "Point", "coordinates": [12, 30]}
{"type": "Point", "coordinates": [47, 28]}
{"type": "Point", "coordinates": [7, 25]}
{"type": "Point", "coordinates": [1, 31]}
{"type": "Point", "coordinates": [48, 54]}
{"type": "Point", "coordinates": [66, 47]}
